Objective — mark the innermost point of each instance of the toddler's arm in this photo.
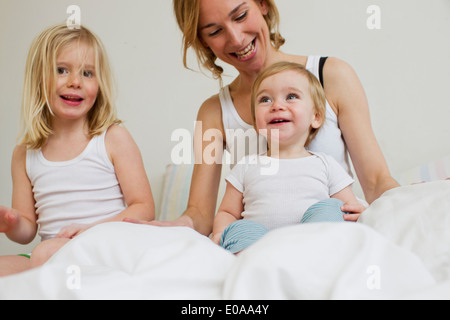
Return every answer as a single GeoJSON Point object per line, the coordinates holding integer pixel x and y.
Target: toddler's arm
{"type": "Point", "coordinates": [229, 211]}
{"type": "Point", "coordinates": [351, 204]}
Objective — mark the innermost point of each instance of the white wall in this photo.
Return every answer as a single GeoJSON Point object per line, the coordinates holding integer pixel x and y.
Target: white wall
{"type": "Point", "coordinates": [404, 67]}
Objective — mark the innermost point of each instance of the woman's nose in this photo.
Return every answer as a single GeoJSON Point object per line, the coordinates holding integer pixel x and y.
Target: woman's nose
{"type": "Point", "coordinates": [235, 38]}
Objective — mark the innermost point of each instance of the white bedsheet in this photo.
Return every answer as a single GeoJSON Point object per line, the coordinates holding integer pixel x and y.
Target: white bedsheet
{"type": "Point", "coordinates": [400, 249]}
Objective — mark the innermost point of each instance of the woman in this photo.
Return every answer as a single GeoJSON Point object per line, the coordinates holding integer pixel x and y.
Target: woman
{"type": "Point", "coordinates": [244, 34]}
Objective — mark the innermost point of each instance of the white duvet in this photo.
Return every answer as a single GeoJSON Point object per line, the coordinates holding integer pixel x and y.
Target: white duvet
{"type": "Point", "coordinates": [400, 249]}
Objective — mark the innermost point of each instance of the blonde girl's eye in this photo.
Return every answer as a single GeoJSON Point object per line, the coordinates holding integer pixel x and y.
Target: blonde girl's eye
{"type": "Point", "coordinates": [62, 71]}
{"type": "Point", "coordinates": [88, 74]}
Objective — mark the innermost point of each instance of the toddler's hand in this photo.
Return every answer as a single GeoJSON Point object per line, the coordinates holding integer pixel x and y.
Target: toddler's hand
{"type": "Point", "coordinates": [354, 209]}
{"type": "Point", "coordinates": [216, 238]}
{"type": "Point", "coordinates": [9, 218]}
{"type": "Point", "coordinates": [72, 231]}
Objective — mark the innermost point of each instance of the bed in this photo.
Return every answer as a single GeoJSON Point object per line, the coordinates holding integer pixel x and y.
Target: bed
{"type": "Point", "coordinates": [399, 249]}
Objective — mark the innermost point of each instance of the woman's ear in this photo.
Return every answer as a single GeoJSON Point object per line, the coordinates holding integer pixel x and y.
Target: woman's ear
{"type": "Point", "coordinates": [263, 6]}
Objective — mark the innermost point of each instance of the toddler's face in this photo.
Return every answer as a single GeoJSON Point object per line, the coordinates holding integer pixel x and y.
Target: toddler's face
{"type": "Point", "coordinates": [283, 102]}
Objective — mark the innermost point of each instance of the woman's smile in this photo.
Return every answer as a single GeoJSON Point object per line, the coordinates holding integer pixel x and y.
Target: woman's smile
{"type": "Point", "coordinates": [247, 53]}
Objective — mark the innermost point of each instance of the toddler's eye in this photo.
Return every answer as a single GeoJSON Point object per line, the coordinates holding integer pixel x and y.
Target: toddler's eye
{"type": "Point", "coordinates": [292, 96]}
{"type": "Point", "coordinates": [264, 99]}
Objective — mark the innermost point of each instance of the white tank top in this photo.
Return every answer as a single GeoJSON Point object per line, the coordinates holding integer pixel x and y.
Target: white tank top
{"type": "Point", "coordinates": [82, 190]}
{"type": "Point", "coordinates": [328, 140]}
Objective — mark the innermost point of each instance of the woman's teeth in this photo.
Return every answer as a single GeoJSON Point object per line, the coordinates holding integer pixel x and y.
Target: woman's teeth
{"type": "Point", "coordinates": [246, 52]}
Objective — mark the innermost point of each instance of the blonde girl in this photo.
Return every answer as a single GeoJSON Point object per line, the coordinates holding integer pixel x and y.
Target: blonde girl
{"type": "Point", "coordinates": [75, 166]}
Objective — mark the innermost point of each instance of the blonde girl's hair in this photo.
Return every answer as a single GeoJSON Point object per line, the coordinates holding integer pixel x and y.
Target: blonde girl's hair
{"type": "Point", "coordinates": [40, 73]}
{"type": "Point", "coordinates": [315, 88]}
{"type": "Point", "coordinates": [187, 14]}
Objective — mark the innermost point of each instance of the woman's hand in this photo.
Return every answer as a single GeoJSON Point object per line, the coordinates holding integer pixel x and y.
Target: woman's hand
{"type": "Point", "coordinates": [354, 210]}
{"type": "Point", "coordinates": [183, 221]}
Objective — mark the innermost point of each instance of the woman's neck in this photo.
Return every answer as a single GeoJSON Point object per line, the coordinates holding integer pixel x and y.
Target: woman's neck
{"type": "Point", "coordinates": [244, 82]}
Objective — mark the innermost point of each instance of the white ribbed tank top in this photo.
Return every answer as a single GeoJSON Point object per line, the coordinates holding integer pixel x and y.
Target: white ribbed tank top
{"type": "Point", "coordinates": [82, 190]}
{"type": "Point", "coordinates": [329, 139]}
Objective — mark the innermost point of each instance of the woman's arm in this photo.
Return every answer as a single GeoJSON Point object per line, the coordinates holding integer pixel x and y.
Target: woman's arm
{"type": "Point", "coordinates": [207, 170]}
{"type": "Point", "coordinates": [21, 218]}
{"type": "Point", "coordinates": [201, 207]}
{"type": "Point", "coordinates": [347, 97]}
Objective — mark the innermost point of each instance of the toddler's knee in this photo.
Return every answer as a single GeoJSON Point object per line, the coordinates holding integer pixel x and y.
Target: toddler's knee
{"type": "Point", "coordinates": [241, 234]}
{"type": "Point", "coordinates": [328, 210]}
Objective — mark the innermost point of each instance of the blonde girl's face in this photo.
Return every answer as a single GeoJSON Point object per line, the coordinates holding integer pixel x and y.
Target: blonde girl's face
{"type": "Point", "coordinates": [235, 30]}
{"type": "Point", "coordinates": [76, 86]}
{"type": "Point", "coordinates": [284, 103]}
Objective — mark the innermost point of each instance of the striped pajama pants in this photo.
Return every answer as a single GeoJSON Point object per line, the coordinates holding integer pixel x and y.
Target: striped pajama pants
{"type": "Point", "coordinates": [241, 234]}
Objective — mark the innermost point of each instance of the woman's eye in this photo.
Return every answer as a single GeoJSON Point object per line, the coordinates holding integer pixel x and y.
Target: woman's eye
{"type": "Point", "coordinates": [242, 16]}
{"type": "Point", "coordinates": [214, 33]}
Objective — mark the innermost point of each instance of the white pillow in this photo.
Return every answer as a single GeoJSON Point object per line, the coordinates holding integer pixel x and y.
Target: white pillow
{"type": "Point", "coordinates": [431, 171]}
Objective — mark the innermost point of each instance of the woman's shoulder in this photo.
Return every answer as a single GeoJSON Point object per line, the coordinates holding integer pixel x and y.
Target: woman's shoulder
{"type": "Point", "coordinates": [210, 105]}
{"type": "Point", "coordinates": [335, 69]}
{"type": "Point", "coordinates": [210, 112]}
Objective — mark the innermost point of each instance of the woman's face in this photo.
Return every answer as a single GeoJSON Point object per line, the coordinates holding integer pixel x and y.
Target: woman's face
{"type": "Point", "coordinates": [235, 30]}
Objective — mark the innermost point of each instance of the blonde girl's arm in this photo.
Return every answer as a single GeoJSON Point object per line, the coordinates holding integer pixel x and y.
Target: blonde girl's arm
{"type": "Point", "coordinates": [230, 210]}
{"type": "Point", "coordinates": [22, 215]}
{"type": "Point", "coordinates": [346, 94]}
{"type": "Point", "coordinates": [127, 160]}
{"type": "Point", "coordinates": [129, 167]}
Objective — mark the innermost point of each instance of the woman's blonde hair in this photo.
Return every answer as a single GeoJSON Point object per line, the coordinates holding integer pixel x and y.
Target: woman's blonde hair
{"type": "Point", "coordinates": [187, 14]}
{"type": "Point", "coordinates": [315, 88]}
{"type": "Point", "coordinates": [40, 73]}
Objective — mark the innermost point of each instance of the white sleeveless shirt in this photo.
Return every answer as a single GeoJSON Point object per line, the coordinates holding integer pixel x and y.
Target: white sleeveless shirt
{"type": "Point", "coordinates": [329, 139]}
{"type": "Point", "coordinates": [82, 190]}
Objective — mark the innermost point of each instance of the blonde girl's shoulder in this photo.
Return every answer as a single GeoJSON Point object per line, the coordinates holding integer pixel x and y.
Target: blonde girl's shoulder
{"type": "Point", "coordinates": [19, 154]}
{"type": "Point", "coordinates": [118, 140]}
